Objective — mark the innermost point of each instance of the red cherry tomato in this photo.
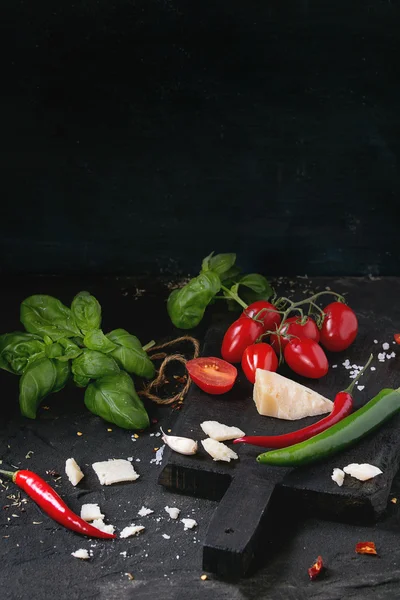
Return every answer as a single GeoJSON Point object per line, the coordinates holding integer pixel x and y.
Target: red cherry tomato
{"type": "Point", "coordinates": [339, 328]}
{"type": "Point", "coordinates": [238, 336]}
{"type": "Point", "coordinates": [212, 375]}
{"type": "Point", "coordinates": [269, 316]}
{"type": "Point", "coordinates": [293, 328]}
{"type": "Point", "coordinates": [258, 356]}
{"type": "Point", "coordinates": [306, 358]}
{"type": "Point", "coordinates": [397, 338]}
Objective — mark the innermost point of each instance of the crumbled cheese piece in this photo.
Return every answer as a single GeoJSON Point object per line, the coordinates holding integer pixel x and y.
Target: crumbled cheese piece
{"type": "Point", "coordinates": [166, 537]}
{"type": "Point", "coordinates": [99, 524]}
{"type": "Point", "coordinates": [189, 523]}
{"type": "Point", "coordinates": [90, 512]}
{"type": "Point", "coordinates": [218, 450]}
{"type": "Point", "coordinates": [334, 366]}
{"type": "Point", "coordinates": [114, 470]}
{"type": "Point", "coordinates": [81, 553]}
{"type": "Point", "coordinates": [73, 471]}
{"type": "Point", "coordinates": [338, 476]}
{"type": "Point", "coordinates": [385, 346]}
{"type": "Point", "coordinates": [143, 512]}
{"type": "Point", "coordinates": [363, 472]}
{"type": "Point", "coordinates": [131, 530]}
{"type": "Point", "coordinates": [173, 512]}
{"type": "Point", "coordinates": [130, 458]}
{"type": "Point", "coordinates": [218, 431]}
{"type": "Point", "coordinates": [360, 387]}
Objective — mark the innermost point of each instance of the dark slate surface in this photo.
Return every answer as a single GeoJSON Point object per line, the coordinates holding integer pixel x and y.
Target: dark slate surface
{"type": "Point", "coordinates": [36, 561]}
{"type": "Point", "coordinates": [131, 131]}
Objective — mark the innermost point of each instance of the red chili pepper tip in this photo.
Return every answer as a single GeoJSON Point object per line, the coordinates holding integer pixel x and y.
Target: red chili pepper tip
{"type": "Point", "coordinates": [366, 548]}
{"type": "Point", "coordinates": [316, 568]}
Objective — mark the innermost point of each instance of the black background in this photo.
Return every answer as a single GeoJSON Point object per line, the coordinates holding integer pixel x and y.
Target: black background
{"type": "Point", "coordinates": [137, 136]}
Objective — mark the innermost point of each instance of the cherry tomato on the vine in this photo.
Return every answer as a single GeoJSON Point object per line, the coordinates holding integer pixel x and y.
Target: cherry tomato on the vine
{"type": "Point", "coordinates": [238, 336]}
{"type": "Point", "coordinates": [293, 329]}
{"type": "Point", "coordinates": [339, 328]}
{"type": "Point", "coordinates": [307, 358]}
{"type": "Point", "coordinates": [212, 375]}
{"type": "Point", "coordinates": [258, 356]}
{"type": "Point", "coordinates": [269, 316]}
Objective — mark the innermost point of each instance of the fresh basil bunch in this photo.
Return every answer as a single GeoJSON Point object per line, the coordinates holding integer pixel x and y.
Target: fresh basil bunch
{"type": "Point", "coordinates": [61, 343]}
{"type": "Point", "coordinates": [186, 306]}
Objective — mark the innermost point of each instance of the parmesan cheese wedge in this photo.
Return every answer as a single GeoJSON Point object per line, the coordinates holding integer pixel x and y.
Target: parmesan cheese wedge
{"type": "Point", "coordinates": [280, 397]}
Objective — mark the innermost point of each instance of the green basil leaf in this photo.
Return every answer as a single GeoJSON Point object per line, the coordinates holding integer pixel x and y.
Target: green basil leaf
{"type": "Point", "coordinates": [87, 312]}
{"type": "Point", "coordinates": [94, 364]}
{"type": "Point", "coordinates": [230, 277]}
{"type": "Point", "coordinates": [186, 306]}
{"type": "Point", "coordinates": [205, 265]}
{"type": "Point", "coordinates": [96, 340]}
{"type": "Point", "coordinates": [54, 351]}
{"type": "Point", "coordinates": [222, 263]}
{"type": "Point", "coordinates": [70, 350]}
{"type": "Point", "coordinates": [18, 350]}
{"type": "Point", "coordinates": [114, 399]}
{"type": "Point", "coordinates": [45, 315]}
{"type": "Point", "coordinates": [35, 384]}
{"type": "Point", "coordinates": [257, 283]}
{"type": "Point", "coordinates": [63, 371]}
{"type": "Point", "coordinates": [130, 355]}
{"type": "Point", "coordinates": [81, 381]}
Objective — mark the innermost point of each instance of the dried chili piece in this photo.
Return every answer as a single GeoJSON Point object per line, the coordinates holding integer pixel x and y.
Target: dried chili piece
{"type": "Point", "coordinates": [366, 548]}
{"type": "Point", "coordinates": [316, 568]}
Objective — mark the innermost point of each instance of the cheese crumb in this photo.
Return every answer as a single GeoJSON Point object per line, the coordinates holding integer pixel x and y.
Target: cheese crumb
{"type": "Point", "coordinates": [81, 553]}
{"type": "Point", "coordinates": [189, 523]}
{"type": "Point", "coordinates": [338, 476]}
{"type": "Point", "coordinates": [218, 450]}
{"type": "Point", "coordinates": [375, 341]}
{"type": "Point", "coordinates": [363, 472]}
{"type": "Point", "coordinates": [373, 368]}
{"type": "Point", "coordinates": [73, 471]}
{"type": "Point", "coordinates": [334, 366]}
{"type": "Point", "coordinates": [99, 524]}
{"type": "Point", "coordinates": [173, 512]}
{"type": "Point", "coordinates": [143, 512]}
{"type": "Point", "coordinates": [114, 470]}
{"type": "Point", "coordinates": [131, 530]}
{"type": "Point", "coordinates": [90, 512]}
{"type": "Point", "coordinates": [218, 431]}
{"type": "Point", "coordinates": [166, 537]}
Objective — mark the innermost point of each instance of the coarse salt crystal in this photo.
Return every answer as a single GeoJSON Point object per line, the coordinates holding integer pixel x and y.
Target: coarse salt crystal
{"type": "Point", "coordinates": [334, 366]}
{"type": "Point", "coordinates": [381, 356]}
{"type": "Point", "coordinates": [360, 387]}
{"type": "Point", "coordinates": [166, 537]}
{"type": "Point", "coordinates": [373, 368]}
{"type": "Point", "coordinates": [385, 346]}
{"type": "Point", "coordinates": [375, 341]}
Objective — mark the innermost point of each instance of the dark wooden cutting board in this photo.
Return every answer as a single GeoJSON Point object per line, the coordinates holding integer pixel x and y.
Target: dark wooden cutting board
{"type": "Point", "coordinates": [248, 491]}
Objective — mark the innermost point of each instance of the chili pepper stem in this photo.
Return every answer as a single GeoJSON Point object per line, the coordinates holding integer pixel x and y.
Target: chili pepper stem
{"type": "Point", "coordinates": [350, 388]}
{"type": "Point", "coordinates": [9, 474]}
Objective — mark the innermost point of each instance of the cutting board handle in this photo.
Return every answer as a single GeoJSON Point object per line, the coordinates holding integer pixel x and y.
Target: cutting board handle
{"type": "Point", "coordinates": [233, 534]}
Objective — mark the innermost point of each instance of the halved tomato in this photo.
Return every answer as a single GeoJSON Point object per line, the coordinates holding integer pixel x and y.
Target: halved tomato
{"type": "Point", "coordinates": [212, 375]}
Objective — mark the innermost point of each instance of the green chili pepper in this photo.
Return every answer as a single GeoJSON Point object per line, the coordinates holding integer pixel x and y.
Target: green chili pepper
{"type": "Point", "coordinates": [340, 436]}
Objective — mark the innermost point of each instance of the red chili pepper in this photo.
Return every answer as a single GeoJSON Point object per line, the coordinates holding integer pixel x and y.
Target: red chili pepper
{"type": "Point", "coordinates": [342, 407]}
{"type": "Point", "coordinates": [51, 503]}
{"type": "Point", "coordinates": [316, 568]}
{"type": "Point", "coordinates": [366, 548]}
